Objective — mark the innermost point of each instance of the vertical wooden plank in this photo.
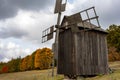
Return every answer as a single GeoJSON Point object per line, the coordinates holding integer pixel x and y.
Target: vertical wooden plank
{"type": "Point", "coordinates": [82, 53]}
{"type": "Point", "coordinates": [76, 52]}
{"type": "Point", "coordinates": [67, 54]}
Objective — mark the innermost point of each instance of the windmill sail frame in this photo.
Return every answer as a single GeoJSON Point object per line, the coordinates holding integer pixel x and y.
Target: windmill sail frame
{"type": "Point", "coordinates": [47, 34]}
{"type": "Point", "coordinates": [59, 7]}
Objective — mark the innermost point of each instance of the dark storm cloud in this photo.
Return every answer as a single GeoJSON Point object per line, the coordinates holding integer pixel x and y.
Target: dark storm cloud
{"type": "Point", "coordinates": [11, 32]}
{"type": "Point", "coordinates": [9, 8]}
{"type": "Point", "coordinates": [114, 12]}
{"type": "Point", "coordinates": [6, 10]}
{"type": "Point", "coordinates": [31, 4]}
{"type": "Point", "coordinates": [111, 15]}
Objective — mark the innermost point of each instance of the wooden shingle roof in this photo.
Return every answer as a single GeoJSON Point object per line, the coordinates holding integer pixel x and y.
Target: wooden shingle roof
{"type": "Point", "coordinates": [76, 21]}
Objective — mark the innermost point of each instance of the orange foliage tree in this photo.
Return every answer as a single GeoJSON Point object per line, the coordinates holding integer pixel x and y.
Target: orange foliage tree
{"type": "Point", "coordinates": [37, 59]}
{"type": "Point", "coordinates": [40, 59]}
{"type": "Point", "coordinates": [43, 58]}
{"type": "Point", "coordinates": [113, 55]}
{"type": "Point", "coordinates": [30, 62]}
{"type": "Point", "coordinates": [23, 65]}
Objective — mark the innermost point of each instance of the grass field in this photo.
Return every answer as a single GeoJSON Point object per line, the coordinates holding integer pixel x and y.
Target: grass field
{"type": "Point", "coordinates": [46, 75]}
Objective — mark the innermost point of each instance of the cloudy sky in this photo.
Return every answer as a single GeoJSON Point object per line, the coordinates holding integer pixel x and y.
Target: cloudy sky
{"type": "Point", "coordinates": [22, 22]}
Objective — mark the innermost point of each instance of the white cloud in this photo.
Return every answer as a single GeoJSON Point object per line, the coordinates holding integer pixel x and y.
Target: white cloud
{"type": "Point", "coordinates": [28, 51]}
{"type": "Point", "coordinates": [5, 60]}
{"type": "Point", "coordinates": [30, 23]}
{"type": "Point", "coordinates": [11, 45]}
{"type": "Point", "coordinates": [12, 50]}
{"type": "Point", "coordinates": [1, 45]}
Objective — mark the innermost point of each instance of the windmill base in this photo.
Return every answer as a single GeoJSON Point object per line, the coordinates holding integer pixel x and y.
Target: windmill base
{"type": "Point", "coordinates": [70, 77]}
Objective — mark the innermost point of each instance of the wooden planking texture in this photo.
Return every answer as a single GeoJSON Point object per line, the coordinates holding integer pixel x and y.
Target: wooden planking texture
{"type": "Point", "coordinates": [66, 59]}
{"type": "Point", "coordinates": [82, 53]}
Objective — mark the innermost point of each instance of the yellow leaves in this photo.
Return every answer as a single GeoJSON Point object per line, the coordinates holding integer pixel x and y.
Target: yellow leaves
{"type": "Point", "coordinates": [113, 54]}
{"type": "Point", "coordinates": [37, 56]}
{"type": "Point", "coordinates": [43, 58]}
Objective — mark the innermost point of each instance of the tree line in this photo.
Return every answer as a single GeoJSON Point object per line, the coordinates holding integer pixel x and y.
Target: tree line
{"type": "Point", "coordinates": [39, 59]}
{"type": "Point", "coordinates": [113, 40]}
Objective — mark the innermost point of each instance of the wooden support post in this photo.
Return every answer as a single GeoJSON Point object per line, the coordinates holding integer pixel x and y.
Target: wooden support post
{"type": "Point", "coordinates": [53, 66]}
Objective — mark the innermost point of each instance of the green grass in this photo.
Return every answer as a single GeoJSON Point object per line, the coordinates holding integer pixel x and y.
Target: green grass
{"type": "Point", "coordinates": [113, 76]}
{"type": "Point", "coordinates": [30, 75]}
{"type": "Point", "coordinates": [46, 75]}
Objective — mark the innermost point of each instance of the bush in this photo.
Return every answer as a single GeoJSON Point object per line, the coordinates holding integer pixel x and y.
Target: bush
{"type": "Point", "coordinates": [4, 69]}
{"type": "Point", "coordinates": [113, 55]}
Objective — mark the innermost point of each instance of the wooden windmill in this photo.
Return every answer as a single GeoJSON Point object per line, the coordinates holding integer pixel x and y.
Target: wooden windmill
{"type": "Point", "coordinates": [80, 45]}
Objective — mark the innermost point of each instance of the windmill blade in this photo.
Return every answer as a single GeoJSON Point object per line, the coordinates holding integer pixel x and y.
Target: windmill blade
{"type": "Point", "coordinates": [91, 18]}
{"type": "Point", "coordinates": [47, 34]}
{"type": "Point", "coordinates": [59, 7]}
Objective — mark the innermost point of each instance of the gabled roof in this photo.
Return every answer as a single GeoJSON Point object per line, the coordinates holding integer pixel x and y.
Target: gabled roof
{"type": "Point", "coordinates": [77, 20]}
{"type": "Point", "coordinates": [73, 19]}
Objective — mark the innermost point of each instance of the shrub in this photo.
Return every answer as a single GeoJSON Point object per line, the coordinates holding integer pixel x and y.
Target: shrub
{"type": "Point", "coordinates": [5, 69]}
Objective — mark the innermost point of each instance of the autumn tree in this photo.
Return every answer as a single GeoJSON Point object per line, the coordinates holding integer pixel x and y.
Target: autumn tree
{"type": "Point", "coordinates": [37, 59]}
{"type": "Point", "coordinates": [113, 37]}
{"type": "Point", "coordinates": [113, 54]}
{"type": "Point", "coordinates": [46, 58]}
{"type": "Point", "coordinates": [23, 64]}
{"type": "Point", "coordinates": [2, 64]}
{"type": "Point", "coordinates": [33, 60]}
{"type": "Point", "coordinates": [43, 58]}
{"type": "Point", "coordinates": [5, 69]}
{"type": "Point", "coordinates": [14, 65]}
{"type": "Point", "coordinates": [30, 62]}
{"type": "Point", "coordinates": [113, 40]}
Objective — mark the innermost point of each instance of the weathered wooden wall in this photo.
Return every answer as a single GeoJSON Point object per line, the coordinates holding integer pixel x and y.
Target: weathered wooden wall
{"type": "Point", "coordinates": [82, 53]}
{"type": "Point", "coordinates": [66, 59]}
